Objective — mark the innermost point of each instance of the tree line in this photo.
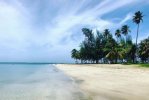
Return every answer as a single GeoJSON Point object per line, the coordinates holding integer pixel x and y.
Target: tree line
{"type": "Point", "coordinates": [102, 47]}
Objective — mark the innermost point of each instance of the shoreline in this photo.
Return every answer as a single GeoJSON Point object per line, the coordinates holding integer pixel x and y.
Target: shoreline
{"type": "Point", "coordinates": [110, 82]}
{"type": "Point", "coordinates": [37, 82]}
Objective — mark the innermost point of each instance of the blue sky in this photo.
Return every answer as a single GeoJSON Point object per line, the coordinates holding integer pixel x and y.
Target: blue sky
{"type": "Point", "coordinates": [47, 30]}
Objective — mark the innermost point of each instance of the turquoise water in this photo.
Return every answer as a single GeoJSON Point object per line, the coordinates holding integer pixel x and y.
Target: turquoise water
{"type": "Point", "coordinates": [36, 82]}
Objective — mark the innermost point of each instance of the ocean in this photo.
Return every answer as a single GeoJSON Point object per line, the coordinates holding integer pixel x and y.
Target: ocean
{"type": "Point", "coordinates": [36, 82]}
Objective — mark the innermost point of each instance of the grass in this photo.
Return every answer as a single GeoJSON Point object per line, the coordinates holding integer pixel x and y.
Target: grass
{"type": "Point", "coordinates": [140, 65]}
{"type": "Point", "coordinates": [143, 65]}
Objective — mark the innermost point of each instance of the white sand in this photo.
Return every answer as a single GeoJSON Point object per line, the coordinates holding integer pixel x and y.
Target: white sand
{"type": "Point", "coordinates": [110, 82]}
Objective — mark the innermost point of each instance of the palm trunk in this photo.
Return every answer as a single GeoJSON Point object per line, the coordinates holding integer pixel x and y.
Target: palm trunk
{"type": "Point", "coordinates": [137, 42]}
{"type": "Point", "coordinates": [137, 35]}
{"type": "Point", "coordinates": [133, 60]}
{"type": "Point", "coordinates": [97, 61]}
{"type": "Point", "coordinates": [126, 47]}
{"type": "Point", "coordinates": [125, 40]}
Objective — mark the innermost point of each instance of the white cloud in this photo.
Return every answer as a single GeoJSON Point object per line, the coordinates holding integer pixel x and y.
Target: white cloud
{"type": "Point", "coordinates": [22, 35]}
{"type": "Point", "coordinates": [128, 17]}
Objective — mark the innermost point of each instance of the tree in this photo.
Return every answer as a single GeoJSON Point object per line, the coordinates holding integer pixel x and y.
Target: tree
{"type": "Point", "coordinates": [83, 53]}
{"type": "Point", "coordinates": [107, 36]}
{"type": "Point", "coordinates": [106, 33]}
{"type": "Point", "coordinates": [89, 44]}
{"type": "Point", "coordinates": [144, 50]}
{"type": "Point", "coordinates": [118, 34]}
{"type": "Point", "coordinates": [122, 49]}
{"type": "Point", "coordinates": [110, 49]}
{"type": "Point", "coordinates": [125, 30]}
{"type": "Point", "coordinates": [98, 50]}
{"type": "Point", "coordinates": [104, 47]}
{"type": "Point", "coordinates": [131, 53]}
{"type": "Point", "coordinates": [137, 18]}
{"type": "Point", "coordinates": [75, 54]}
{"type": "Point", "coordinates": [130, 50]}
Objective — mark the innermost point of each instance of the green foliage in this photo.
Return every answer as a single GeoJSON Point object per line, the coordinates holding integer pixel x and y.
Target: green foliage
{"type": "Point", "coordinates": [106, 33]}
{"type": "Point", "coordinates": [144, 50]}
{"type": "Point", "coordinates": [138, 17]}
{"type": "Point", "coordinates": [125, 30]}
{"type": "Point", "coordinates": [102, 47]}
{"type": "Point", "coordinates": [118, 33]}
{"type": "Point", "coordinates": [75, 54]}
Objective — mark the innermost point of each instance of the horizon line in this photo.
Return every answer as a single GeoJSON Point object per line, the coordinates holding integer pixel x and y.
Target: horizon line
{"type": "Point", "coordinates": [30, 63]}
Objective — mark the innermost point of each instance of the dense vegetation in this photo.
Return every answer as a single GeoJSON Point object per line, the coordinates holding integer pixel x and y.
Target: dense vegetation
{"type": "Point", "coordinates": [102, 47]}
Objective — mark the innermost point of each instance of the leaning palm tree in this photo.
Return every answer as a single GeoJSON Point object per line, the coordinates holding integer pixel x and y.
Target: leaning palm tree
{"type": "Point", "coordinates": [118, 34]}
{"type": "Point", "coordinates": [125, 30]}
{"type": "Point", "coordinates": [111, 55]}
{"type": "Point", "coordinates": [137, 18]}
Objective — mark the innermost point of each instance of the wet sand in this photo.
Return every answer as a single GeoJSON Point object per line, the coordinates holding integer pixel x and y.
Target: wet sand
{"type": "Point", "coordinates": [110, 82]}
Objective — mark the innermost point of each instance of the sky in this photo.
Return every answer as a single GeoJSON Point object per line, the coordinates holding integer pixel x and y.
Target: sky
{"type": "Point", "coordinates": [47, 30]}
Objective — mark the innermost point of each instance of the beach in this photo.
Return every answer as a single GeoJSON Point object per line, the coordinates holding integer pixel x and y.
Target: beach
{"type": "Point", "coordinates": [110, 82]}
{"type": "Point", "coordinates": [36, 82]}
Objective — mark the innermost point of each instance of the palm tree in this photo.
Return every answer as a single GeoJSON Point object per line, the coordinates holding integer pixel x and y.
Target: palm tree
{"type": "Point", "coordinates": [89, 43]}
{"type": "Point", "coordinates": [118, 34]}
{"type": "Point", "coordinates": [131, 52]}
{"type": "Point", "coordinates": [137, 18]}
{"type": "Point", "coordinates": [75, 54]}
{"type": "Point", "coordinates": [98, 49]}
{"type": "Point", "coordinates": [106, 33]}
{"type": "Point", "coordinates": [144, 50]}
{"type": "Point", "coordinates": [110, 49]}
{"type": "Point", "coordinates": [111, 55]}
{"type": "Point", "coordinates": [125, 30]}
